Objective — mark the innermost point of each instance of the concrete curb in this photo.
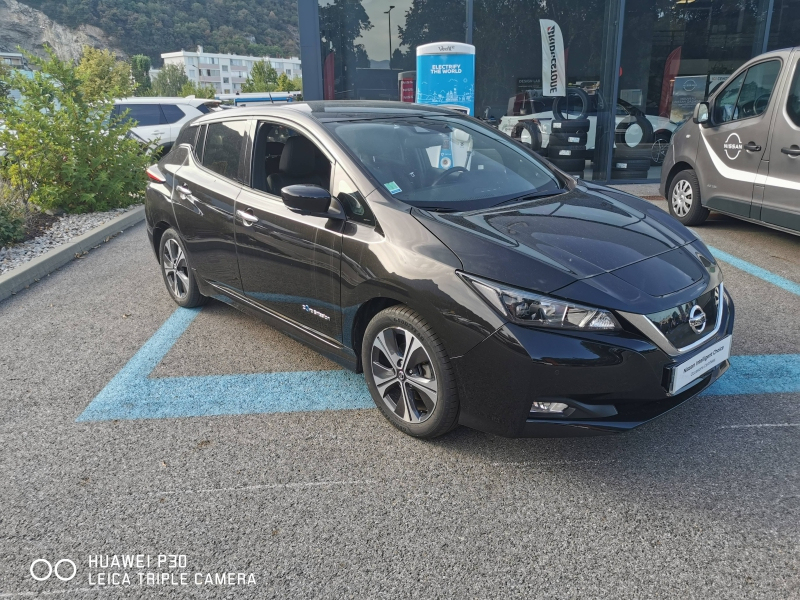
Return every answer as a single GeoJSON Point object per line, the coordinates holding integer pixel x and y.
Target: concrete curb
{"type": "Point", "coordinates": [41, 266]}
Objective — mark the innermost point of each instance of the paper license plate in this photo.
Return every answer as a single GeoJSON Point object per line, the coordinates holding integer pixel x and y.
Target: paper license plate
{"type": "Point", "coordinates": [685, 373]}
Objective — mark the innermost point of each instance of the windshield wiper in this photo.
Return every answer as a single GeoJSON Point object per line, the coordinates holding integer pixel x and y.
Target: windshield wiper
{"type": "Point", "coordinates": [535, 195]}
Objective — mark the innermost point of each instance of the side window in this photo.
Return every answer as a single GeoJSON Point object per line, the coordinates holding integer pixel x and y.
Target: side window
{"type": "Point", "coordinates": [172, 113]}
{"type": "Point", "coordinates": [203, 109]}
{"type": "Point", "coordinates": [200, 144]}
{"type": "Point", "coordinates": [188, 135]}
{"type": "Point", "coordinates": [145, 115]}
{"type": "Point", "coordinates": [793, 104]}
{"type": "Point", "coordinates": [224, 149]}
{"type": "Point", "coordinates": [725, 104]}
{"type": "Point", "coordinates": [757, 89]}
{"type": "Point", "coordinates": [353, 202]}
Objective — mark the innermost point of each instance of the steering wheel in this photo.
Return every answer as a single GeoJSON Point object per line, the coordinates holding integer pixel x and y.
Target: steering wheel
{"type": "Point", "coordinates": [447, 174]}
{"type": "Point", "coordinates": [760, 104]}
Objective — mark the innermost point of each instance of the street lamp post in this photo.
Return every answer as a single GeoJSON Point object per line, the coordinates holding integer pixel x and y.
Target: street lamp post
{"type": "Point", "coordinates": [389, 12]}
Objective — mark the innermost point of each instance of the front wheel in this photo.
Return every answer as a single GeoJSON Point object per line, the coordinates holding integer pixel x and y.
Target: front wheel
{"type": "Point", "coordinates": [684, 199]}
{"type": "Point", "coordinates": [409, 374]}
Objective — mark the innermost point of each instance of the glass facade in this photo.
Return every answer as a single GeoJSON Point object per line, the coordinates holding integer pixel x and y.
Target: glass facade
{"type": "Point", "coordinates": [633, 69]}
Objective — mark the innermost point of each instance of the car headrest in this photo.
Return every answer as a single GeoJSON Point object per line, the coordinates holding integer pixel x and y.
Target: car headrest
{"type": "Point", "coordinates": [298, 158]}
{"type": "Point", "coordinates": [273, 148]}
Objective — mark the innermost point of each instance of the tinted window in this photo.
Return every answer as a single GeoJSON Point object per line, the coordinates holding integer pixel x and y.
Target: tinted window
{"type": "Point", "coordinates": [224, 148]}
{"type": "Point", "coordinates": [203, 109]}
{"type": "Point", "coordinates": [757, 89]}
{"type": "Point", "coordinates": [188, 135]}
{"type": "Point", "coordinates": [444, 162]}
{"type": "Point", "coordinates": [145, 115]}
{"type": "Point", "coordinates": [172, 113]}
{"type": "Point", "coordinates": [725, 104]}
{"type": "Point", "coordinates": [793, 104]}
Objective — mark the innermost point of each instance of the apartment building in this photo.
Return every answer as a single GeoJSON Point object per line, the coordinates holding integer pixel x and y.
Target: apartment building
{"type": "Point", "coordinates": [226, 72]}
{"type": "Point", "coordinates": [13, 59]}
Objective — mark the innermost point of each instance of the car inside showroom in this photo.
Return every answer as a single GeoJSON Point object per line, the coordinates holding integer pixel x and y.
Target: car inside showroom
{"type": "Point", "coordinates": [634, 70]}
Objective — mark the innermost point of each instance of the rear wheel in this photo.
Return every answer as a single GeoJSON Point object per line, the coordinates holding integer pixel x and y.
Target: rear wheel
{"type": "Point", "coordinates": [178, 276]}
{"type": "Point", "coordinates": [409, 374]}
{"type": "Point", "coordinates": [684, 199]}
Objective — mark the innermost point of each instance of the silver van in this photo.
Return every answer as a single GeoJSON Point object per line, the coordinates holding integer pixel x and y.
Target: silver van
{"type": "Point", "coordinates": [740, 152]}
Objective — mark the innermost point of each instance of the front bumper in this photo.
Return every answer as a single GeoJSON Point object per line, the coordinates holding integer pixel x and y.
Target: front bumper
{"type": "Point", "coordinates": [623, 374]}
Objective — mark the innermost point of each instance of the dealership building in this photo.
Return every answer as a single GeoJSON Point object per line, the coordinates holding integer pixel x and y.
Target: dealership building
{"type": "Point", "coordinates": [656, 58]}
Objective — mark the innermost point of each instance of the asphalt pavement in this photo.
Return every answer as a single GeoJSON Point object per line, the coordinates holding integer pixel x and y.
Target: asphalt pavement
{"type": "Point", "coordinates": [701, 503]}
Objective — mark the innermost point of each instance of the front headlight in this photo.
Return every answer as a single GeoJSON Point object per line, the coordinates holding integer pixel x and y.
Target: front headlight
{"type": "Point", "coordinates": [527, 308]}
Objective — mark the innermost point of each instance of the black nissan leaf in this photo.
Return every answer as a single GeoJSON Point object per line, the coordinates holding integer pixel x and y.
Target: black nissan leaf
{"type": "Point", "coordinates": [471, 282]}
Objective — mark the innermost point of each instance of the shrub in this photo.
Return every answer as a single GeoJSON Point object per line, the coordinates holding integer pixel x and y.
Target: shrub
{"type": "Point", "coordinates": [64, 151]}
{"type": "Point", "coordinates": [12, 216]}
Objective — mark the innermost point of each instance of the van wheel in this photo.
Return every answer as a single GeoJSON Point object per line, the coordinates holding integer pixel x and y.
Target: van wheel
{"type": "Point", "coordinates": [684, 199]}
{"type": "Point", "coordinates": [409, 374]}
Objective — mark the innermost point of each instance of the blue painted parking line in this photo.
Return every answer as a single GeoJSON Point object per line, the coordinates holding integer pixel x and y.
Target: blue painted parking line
{"type": "Point", "coordinates": [132, 394]}
{"type": "Point", "coordinates": [768, 276]}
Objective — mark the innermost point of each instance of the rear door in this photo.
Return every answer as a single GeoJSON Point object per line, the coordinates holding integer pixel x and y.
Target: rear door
{"type": "Point", "coordinates": [733, 145]}
{"type": "Point", "coordinates": [175, 117]}
{"type": "Point", "coordinates": [205, 193]}
{"type": "Point", "coordinates": [781, 204]}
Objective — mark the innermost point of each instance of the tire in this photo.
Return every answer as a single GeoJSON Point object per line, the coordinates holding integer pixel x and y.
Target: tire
{"type": "Point", "coordinates": [689, 210]}
{"type": "Point", "coordinates": [532, 129]}
{"type": "Point", "coordinates": [566, 152]}
{"type": "Point", "coordinates": [569, 139]}
{"type": "Point", "coordinates": [569, 126]}
{"type": "Point", "coordinates": [623, 174]}
{"type": "Point", "coordinates": [621, 132]}
{"type": "Point", "coordinates": [558, 103]}
{"type": "Point", "coordinates": [386, 341]}
{"type": "Point", "coordinates": [626, 153]}
{"type": "Point", "coordinates": [571, 165]}
{"type": "Point", "coordinates": [630, 164]}
{"type": "Point", "coordinates": [177, 273]}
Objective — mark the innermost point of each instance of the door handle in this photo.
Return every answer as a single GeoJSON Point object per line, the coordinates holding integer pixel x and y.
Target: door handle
{"type": "Point", "coordinates": [183, 191]}
{"type": "Point", "coordinates": [248, 218]}
{"type": "Point", "coordinates": [793, 150]}
{"type": "Point", "coordinates": [752, 147]}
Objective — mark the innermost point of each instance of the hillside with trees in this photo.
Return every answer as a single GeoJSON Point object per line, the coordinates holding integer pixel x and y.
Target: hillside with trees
{"type": "Point", "coordinates": [151, 27]}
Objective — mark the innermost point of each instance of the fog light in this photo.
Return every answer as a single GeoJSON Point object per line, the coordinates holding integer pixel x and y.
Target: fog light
{"type": "Point", "coordinates": [549, 407]}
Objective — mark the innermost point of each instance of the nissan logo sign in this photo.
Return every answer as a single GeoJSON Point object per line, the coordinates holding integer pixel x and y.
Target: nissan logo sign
{"type": "Point", "coordinates": [697, 319]}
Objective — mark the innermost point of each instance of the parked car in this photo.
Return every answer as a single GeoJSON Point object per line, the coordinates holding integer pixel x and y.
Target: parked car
{"type": "Point", "coordinates": [160, 119]}
{"type": "Point", "coordinates": [633, 126]}
{"type": "Point", "coordinates": [471, 282]}
{"type": "Point", "coordinates": [740, 153]}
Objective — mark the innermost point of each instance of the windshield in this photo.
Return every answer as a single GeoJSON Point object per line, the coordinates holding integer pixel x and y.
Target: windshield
{"type": "Point", "coordinates": [443, 162]}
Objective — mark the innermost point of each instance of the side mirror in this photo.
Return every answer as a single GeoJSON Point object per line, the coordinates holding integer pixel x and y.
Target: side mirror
{"type": "Point", "coordinates": [310, 199]}
{"type": "Point", "coordinates": [700, 113]}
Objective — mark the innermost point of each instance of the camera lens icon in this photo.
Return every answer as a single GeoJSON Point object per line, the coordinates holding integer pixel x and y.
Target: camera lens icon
{"type": "Point", "coordinates": [58, 569]}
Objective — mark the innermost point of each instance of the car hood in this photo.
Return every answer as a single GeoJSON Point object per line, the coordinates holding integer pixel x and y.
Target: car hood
{"type": "Point", "coordinates": [591, 244]}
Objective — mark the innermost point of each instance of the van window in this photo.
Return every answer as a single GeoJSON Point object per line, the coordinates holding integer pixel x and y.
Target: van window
{"type": "Point", "coordinates": [793, 104]}
{"type": "Point", "coordinates": [224, 148]}
{"type": "Point", "coordinates": [757, 89]}
{"type": "Point", "coordinates": [725, 104]}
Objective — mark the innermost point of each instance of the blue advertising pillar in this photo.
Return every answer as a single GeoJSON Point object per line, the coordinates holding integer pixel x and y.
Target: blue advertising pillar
{"type": "Point", "coordinates": [446, 75]}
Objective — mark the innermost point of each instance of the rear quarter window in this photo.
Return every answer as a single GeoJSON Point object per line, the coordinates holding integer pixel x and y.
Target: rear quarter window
{"type": "Point", "coordinates": [188, 135]}
{"type": "Point", "coordinates": [172, 113]}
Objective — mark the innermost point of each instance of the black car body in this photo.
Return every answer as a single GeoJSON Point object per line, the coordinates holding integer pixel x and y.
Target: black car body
{"type": "Point", "coordinates": [322, 271]}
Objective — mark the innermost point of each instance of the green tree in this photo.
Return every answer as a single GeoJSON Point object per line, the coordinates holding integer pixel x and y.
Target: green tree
{"type": "Point", "coordinates": [102, 75]}
{"type": "Point", "coordinates": [190, 88]}
{"type": "Point", "coordinates": [170, 81]}
{"type": "Point", "coordinates": [65, 150]}
{"type": "Point", "coordinates": [287, 85]}
{"type": "Point", "coordinates": [262, 78]}
{"type": "Point", "coordinates": [140, 68]}
{"type": "Point", "coordinates": [5, 90]}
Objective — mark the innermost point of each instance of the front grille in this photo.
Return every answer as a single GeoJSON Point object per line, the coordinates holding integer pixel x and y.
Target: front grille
{"type": "Point", "coordinates": [674, 323]}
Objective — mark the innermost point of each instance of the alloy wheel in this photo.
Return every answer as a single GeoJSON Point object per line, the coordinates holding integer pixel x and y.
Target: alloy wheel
{"type": "Point", "coordinates": [404, 375]}
{"type": "Point", "coordinates": [682, 197]}
{"type": "Point", "coordinates": [175, 269]}
{"type": "Point", "coordinates": [658, 151]}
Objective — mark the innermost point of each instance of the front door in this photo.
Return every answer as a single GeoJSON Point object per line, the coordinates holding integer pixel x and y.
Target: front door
{"type": "Point", "coordinates": [782, 189]}
{"type": "Point", "coordinates": [205, 194]}
{"type": "Point", "coordinates": [289, 262]}
{"type": "Point", "coordinates": [733, 144]}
